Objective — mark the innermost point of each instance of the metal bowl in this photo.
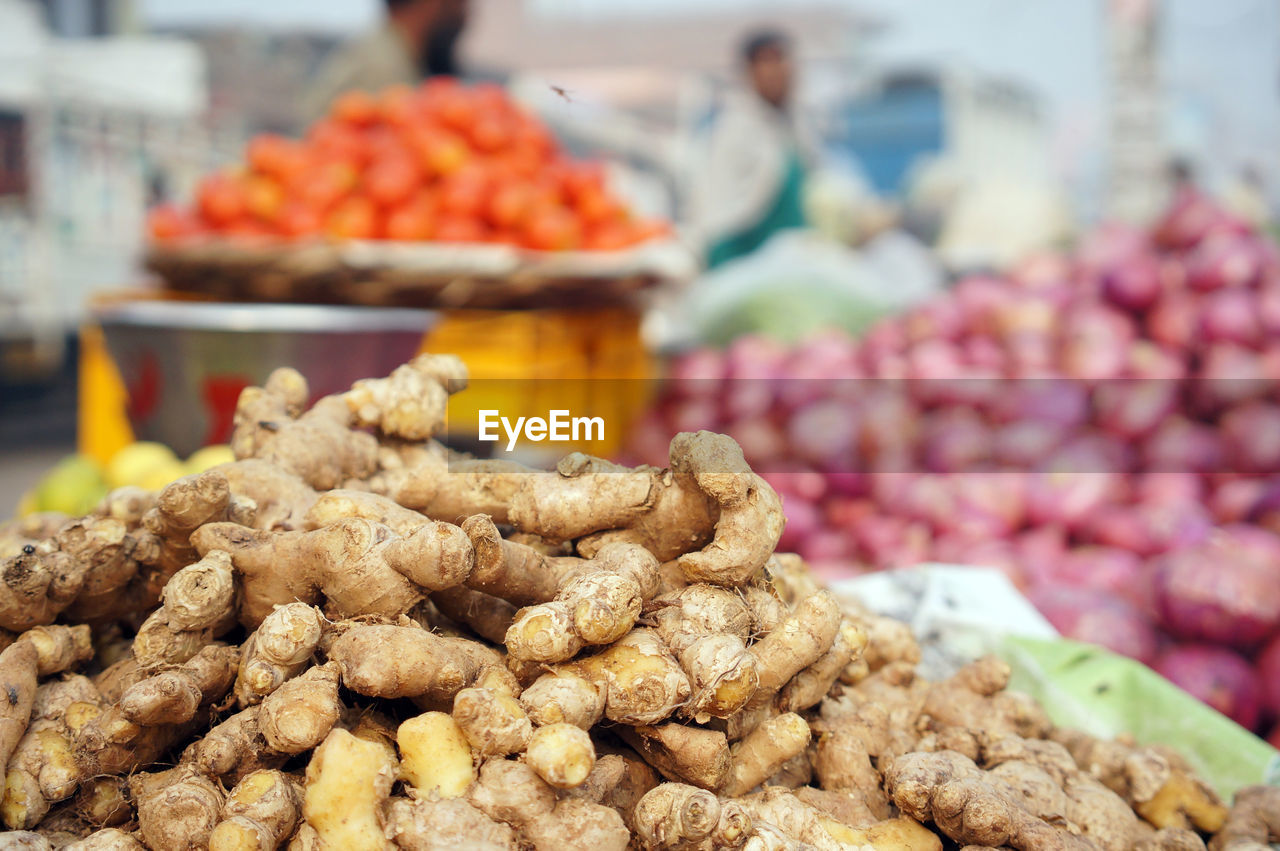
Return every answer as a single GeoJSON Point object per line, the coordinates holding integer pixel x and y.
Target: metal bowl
{"type": "Point", "coordinates": [185, 363]}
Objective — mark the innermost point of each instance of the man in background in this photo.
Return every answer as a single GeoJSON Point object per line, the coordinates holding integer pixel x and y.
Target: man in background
{"type": "Point", "coordinates": [418, 39]}
{"type": "Point", "coordinates": [751, 184]}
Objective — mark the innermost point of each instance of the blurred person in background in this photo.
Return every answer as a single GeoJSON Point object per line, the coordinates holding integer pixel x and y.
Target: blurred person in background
{"type": "Point", "coordinates": [751, 183]}
{"type": "Point", "coordinates": [418, 39]}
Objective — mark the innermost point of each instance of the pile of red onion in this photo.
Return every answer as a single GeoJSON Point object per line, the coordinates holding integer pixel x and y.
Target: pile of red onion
{"type": "Point", "coordinates": [1103, 427]}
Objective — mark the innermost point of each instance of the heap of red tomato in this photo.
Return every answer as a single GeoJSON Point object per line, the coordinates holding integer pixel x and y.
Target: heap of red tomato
{"type": "Point", "coordinates": [443, 162]}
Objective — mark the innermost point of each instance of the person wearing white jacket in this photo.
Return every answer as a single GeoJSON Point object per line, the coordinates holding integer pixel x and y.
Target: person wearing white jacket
{"type": "Point", "coordinates": [751, 182]}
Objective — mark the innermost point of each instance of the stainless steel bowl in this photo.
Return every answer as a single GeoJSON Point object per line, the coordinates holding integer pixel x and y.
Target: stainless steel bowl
{"type": "Point", "coordinates": [185, 363]}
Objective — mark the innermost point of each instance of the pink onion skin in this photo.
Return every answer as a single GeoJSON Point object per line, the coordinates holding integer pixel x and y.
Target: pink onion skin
{"type": "Point", "coordinates": [1098, 617]}
{"type": "Point", "coordinates": [1217, 676]}
{"type": "Point", "coordinates": [804, 520]}
{"type": "Point", "coordinates": [1234, 501]}
{"type": "Point", "coordinates": [1225, 261]}
{"type": "Point", "coordinates": [1221, 592]}
{"type": "Point", "coordinates": [1133, 283]}
{"type": "Point", "coordinates": [1132, 409]}
{"type": "Point", "coordinates": [1190, 218]}
{"type": "Point", "coordinates": [1179, 445]}
{"type": "Point", "coordinates": [1174, 321]}
{"type": "Point", "coordinates": [826, 546]}
{"type": "Point", "coordinates": [695, 372]}
{"type": "Point", "coordinates": [1269, 676]}
{"type": "Point", "coordinates": [798, 481]}
{"type": "Point", "coordinates": [1118, 572]}
{"type": "Point", "coordinates": [1231, 316]}
{"type": "Point", "coordinates": [1251, 433]}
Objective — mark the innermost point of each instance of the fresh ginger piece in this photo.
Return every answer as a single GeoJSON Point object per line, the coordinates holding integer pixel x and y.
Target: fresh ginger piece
{"type": "Point", "coordinates": [200, 595]}
{"type": "Point", "coordinates": [543, 633]}
{"type": "Point", "coordinates": [322, 445]}
{"type": "Point", "coordinates": [19, 663]}
{"type": "Point", "coordinates": [494, 723]}
{"type": "Point", "coordinates": [796, 643]}
{"type": "Point", "coordinates": [799, 822]}
{"type": "Point", "coordinates": [42, 771]}
{"type": "Point", "coordinates": [692, 755]}
{"type": "Point", "coordinates": [723, 674]}
{"type": "Point", "coordinates": [234, 748]}
{"type": "Point", "coordinates": [895, 834]}
{"type": "Point", "coordinates": [676, 815]}
{"type": "Point", "coordinates": [750, 521]}
{"type": "Point", "coordinates": [578, 825]}
{"type": "Point", "coordinates": [563, 697]}
{"type": "Point", "coordinates": [277, 650]}
{"type": "Point", "coordinates": [110, 839]}
{"type": "Point", "coordinates": [175, 695]}
{"type": "Point", "coordinates": [298, 716]}
{"type": "Point", "coordinates": [348, 779]}
{"type": "Point", "coordinates": [425, 824]}
{"type": "Point", "coordinates": [103, 801]}
{"type": "Point", "coordinates": [562, 755]}
{"type": "Point", "coordinates": [1254, 821]}
{"type": "Point", "coordinates": [177, 808]}
{"type": "Point", "coordinates": [410, 403]}
{"type": "Point", "coordinates": [643, 683]}
{"type": "Point", "coordinates": [382, 660]}
{"type": "Point", "coordinates": [435, 756]}
{"type": "Point", "coordinates": [511, 792]}
{"type": "Point", "coordinates": [260, 812]}
{"type": "Point", "coordinates": [811, 685]}
{"type": "Point", "coordinates": [484, 614]}
{"type": "Point", "coordinates": [354, 566]}
{"type": "Point", "coordinates": [59, 648]}
{"type": "Point", "coordinates": [756, 757]}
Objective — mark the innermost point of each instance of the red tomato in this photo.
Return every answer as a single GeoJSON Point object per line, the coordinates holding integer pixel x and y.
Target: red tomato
{"type": "Point", "coordinates": [412, 221]}
{"type": "Point", "coordinates": [597, 207]}
{"type": "Point", "coordinates": [398, 106]}
{"type": "Point", "coordinates": [220, 198]}
{"type": "Point", "coordinates": [298, 220]}
{"type": "Point", "coordinates": [440, 152]}
{"type": "Point", "coordinates": [327, 183]}
{"type": "Point", "coordinates": [490, 133]}
{"type": "Point", "coordinates": [460, 229]}
{"type": "Point", "coordinates": [355, 108]}
{"type": "Point", "coordinates": [611, 236]}
{"type": "Point", "coordinates": [263, 198]}
{"type": "Point", "coordinates": [392, 180]}
{"type": "Point", "coordinates": [510, 204]}
{"type": "Point", "coordinates": [168, 222]}
{"type": "Point", "coordinates": [552, 229]}
{"type": "Point", "coordinates": [337, 141]}
{"type": "Point", "coordinates": [354, 218]}
{"type": "Point", "coordinates": [277, 157]}
{"type": "Point", "coordinates": [464, 193]}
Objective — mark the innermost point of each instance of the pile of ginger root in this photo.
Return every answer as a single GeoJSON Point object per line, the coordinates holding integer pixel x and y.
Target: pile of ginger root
{"type": "Point", "coordinates": [354, 638]}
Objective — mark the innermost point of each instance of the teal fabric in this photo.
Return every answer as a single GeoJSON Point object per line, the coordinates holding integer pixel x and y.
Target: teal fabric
{"type": "Point", "coordinates": [786, 212]}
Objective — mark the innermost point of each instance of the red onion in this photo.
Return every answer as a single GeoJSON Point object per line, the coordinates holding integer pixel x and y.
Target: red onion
{"type": "Point", "coordinates": [1179, 445]}
{"type": "Point", "coordinates": [1231, 316]}
{"type": "Point", "coordinates": [1234, 501]}
{"type": "Point", "coordinates": [1133, 283]}
{"type": "Point", "coordinates": [955, 439]}
{"type": "Point", "coordinates": [804, 520]}
{"type": "Point", "coordinates": [1095, 342]}
{"type": "Point", "coordinates": [1251, 433]}
{"type": "Point", "coordinates": [1118, 572]}
{"type": "Point", "coordinates": [1216, 676]}
{"type": "Point", "coordinates": [1133, 408]}
{"type": "Point", "coordinates": [1269, 676]}
{"type": "Point", "coordinates": [1219, 592]}
{"type": "Point", "coordinates": [1190, 218]}
{"type": "Point", "coordinates": [1098, 617]}
{"type": "Point", "coordinates": [795, 480]}
{"type": "Point", "coordinates": [1174, 320]}
{"type": "Point", "coordinates": [824, 434]}
{"type": "Point", "coordinates": [1224, 261]}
